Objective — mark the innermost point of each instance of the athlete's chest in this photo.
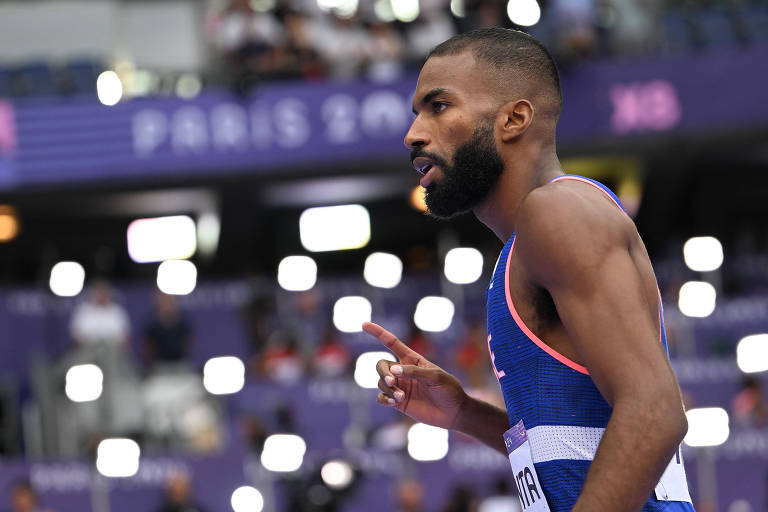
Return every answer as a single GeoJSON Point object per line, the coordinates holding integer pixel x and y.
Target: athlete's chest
{"type": "Point", "coordinates": [518, 310]}
{"type": "Point", "coordinates": [511, 287]}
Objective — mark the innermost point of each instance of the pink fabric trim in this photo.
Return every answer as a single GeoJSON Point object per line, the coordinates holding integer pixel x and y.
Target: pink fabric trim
{"type": "Point", "coordinates": [661, 315]}
{"type": "Point", "coordinates": [535, 339]}
{"type": "Point", "coordinates": [576, 178]}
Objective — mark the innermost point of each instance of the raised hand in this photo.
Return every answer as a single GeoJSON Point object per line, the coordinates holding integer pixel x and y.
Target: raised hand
{"type": "Point", "coordinates": [416, 386]}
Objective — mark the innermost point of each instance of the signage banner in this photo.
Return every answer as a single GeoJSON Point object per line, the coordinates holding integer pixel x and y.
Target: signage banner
{"type": "Point", "coordinates": [287, 125]}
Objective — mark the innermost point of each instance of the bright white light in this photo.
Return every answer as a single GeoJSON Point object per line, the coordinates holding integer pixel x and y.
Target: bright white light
{"type": "Point", "coordinates": [427, 443]}
{"type": "Point", "coordinates": [463, 265]}
{"type": "Point", "coordinates": [524, 13]}
{"type": "Point", "coordinates": [118, 457]}
{"type": "Point", "coordinates": [433, 314]}
{"type": "Point", "coordinates": [224, 375]}
{"type": "Point", "coordinates": [162, 238]}
{"type": "Point", "coordinates": [283, 452]}
{"type": "Point", "coordinates": [177, 277]}
{"type": "Point", "coordinates": [247, 499]}
{"type": "Point", "coordinates": [337, 474]}
{"type": "Point", "coordinates": [458, 9]}
{"type": "Point", "coordinates": [752, 353]}
{"type": "Point", "coordinates": [703, 253]}
{"type": "Point", "coordinates": [383, 270]}
{"type": "Point", "coordinates": [208, 230]}
{"type": "Point", "coordinates": [697, 299]}
{"type": "Point", "coordinates": [707, 426]}
{"type": "Point", "coordinates": [349, 313]}
{"type": "Point", "coordinates": [188, 86]}
{"type": "Point", "coordinates": [346, 9]}
{"type": "Point", "coordinates": [297, 273]}
{"type": "Point", "coordinates": [109, 88]}
{"type": "Point", "coordinates": [366, 375]}
{"type": "Point", "coordinates": [67, 278]}
{"type": "Point", "coordinates": [84, 383]}
{"type": "Point", "coordinates": [335, 228]}
{"type": "Point", "coordinates": [327, 5]}
{"type": "Point", "coordinates": [383, 11]}
{"type": "Point", "coordinates": [405, 10]}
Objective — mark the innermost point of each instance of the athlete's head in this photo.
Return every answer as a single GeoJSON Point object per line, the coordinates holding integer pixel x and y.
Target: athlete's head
{"type": "Point", "coordinates": [478, 96]}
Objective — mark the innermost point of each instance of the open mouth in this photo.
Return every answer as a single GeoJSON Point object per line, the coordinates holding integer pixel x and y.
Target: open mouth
{"type": "Point", "coordinates": [422, 165]}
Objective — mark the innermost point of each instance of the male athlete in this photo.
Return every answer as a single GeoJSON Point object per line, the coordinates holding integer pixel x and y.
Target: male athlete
{"type": "Point", "coordinates": [593, 418]}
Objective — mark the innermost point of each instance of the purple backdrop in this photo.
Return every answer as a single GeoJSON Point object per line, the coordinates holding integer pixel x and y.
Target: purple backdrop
{"type": "Point", "coordinates": [293, 124]}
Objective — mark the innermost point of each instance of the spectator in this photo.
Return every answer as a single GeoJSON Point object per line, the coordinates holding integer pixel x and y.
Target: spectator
{"type": "Point", "coordinates": [332, 357]}
{"type": "Point", "coordinates": [178, 495]}
{"type": "Point", "coordinates": [166, 336]}
{"type": "Point", "coordinates": [430, 29]}
{"type": "Point", "coordinates": [282, 360]}
{"type": "Point", "coordinates": [99, 320]}
{"type": "Point", "coordinates": [385, 53]}
{"type": "Point", "coordinates": [410, 496]}
{"type": "Point", "coordinates": [247, 40]}
{"type": "Point", "coordinates": [472, 355]}
{"type": "Point", "coordinates": [483, 14]}
{"type": "Point", "coordinates": [24, 498]}
{"type": "Point", "coordinates": [342, 44]}
{"type": "Point", "coordinates": [260, 319]}
{"type": "Point", "coordinates": [308, 319]}
{"type": "Point", "coordinates": [574, 22]}
{"type": "Point", "coordinates": [748, 406]}
{"type": "Point", "coordinates": [100, 329]}
{"type": "Point", "coordinates": [637, 28]}
{"type": "Point", "coordinates": [419, 342]}
{"type": "Point", "coordinates": [298, 56]}
{"type": "Point", "coordinates": [255, 433]}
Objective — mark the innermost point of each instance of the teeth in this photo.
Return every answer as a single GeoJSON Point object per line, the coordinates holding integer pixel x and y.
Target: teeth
{"type": "Point", "coordinates": [424, 170]}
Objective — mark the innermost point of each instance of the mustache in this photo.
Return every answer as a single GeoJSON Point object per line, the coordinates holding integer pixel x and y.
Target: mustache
{"type": "Point", "coordinates": [418, 152]}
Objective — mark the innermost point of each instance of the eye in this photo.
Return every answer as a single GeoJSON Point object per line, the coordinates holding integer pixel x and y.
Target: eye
{"type": "Point", "coordinates": [438, 106]}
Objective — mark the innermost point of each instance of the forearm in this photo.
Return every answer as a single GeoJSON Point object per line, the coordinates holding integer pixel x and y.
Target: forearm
{"type": "Point", "coordinates": [638, 444]}
{"type": "Point", "coordinates": [483, 421]}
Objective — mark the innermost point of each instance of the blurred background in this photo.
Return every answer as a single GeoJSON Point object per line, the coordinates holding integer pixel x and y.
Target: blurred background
{"type": "Point", "coordinates": [201, 200]}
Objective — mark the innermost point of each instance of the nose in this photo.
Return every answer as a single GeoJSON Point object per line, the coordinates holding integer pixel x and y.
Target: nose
{"type": "Point", "coordinates": [416, 135]}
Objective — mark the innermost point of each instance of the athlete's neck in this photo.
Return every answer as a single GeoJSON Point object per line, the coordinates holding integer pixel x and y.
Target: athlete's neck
{"type": "Point", "coordinates": [520, 176]}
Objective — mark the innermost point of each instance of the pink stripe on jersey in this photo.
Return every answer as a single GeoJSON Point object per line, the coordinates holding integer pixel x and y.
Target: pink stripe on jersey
{"type": "Point", "coordinates": [598, 187]}
{"type": "Point", "coordinates": [519, 321]}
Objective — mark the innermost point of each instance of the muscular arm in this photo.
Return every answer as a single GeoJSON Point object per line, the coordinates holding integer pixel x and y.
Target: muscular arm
{"type": "Point", "coordinates": [485, 422]}
{"type": "Point", "coordinates": [579, 251]}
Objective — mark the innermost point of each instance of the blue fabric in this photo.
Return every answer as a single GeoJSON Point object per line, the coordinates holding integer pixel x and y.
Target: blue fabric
{"type": "Point", "coordinates": [541, 390]}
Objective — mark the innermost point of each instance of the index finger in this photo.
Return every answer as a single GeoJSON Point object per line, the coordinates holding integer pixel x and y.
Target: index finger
{"type": "Point", "coordinates": [390, 341]}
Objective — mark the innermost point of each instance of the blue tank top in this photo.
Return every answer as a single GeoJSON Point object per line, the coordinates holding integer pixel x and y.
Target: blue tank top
{"type": "Point", "coordinates": [562, 410]}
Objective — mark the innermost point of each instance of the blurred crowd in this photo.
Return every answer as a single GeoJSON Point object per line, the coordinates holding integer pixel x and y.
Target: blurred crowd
{"type": "Point", "coordinates": [257, 40]}
{"type": "Point", "coordinates": [154, 394]}
{"type": "Point", "coordinates": [251, 41]}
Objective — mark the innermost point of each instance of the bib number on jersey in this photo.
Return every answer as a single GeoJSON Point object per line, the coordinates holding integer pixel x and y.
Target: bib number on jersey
{"type": "Point", "coordinates": [673, 485]}
{"type": "Point", "coordinates": [529, 489]}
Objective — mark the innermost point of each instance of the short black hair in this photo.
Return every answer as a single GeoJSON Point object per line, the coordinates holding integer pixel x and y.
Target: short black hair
{"type": "Point", "coordinates": [508, 50]}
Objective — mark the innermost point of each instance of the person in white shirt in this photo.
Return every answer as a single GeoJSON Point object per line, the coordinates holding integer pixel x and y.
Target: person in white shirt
{"type": "Point", "coordinates": [99, 320]}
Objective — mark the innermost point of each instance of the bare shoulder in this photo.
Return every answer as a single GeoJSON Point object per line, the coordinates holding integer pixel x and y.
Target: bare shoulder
{"type": "Point", "coordinates": [567, 228]}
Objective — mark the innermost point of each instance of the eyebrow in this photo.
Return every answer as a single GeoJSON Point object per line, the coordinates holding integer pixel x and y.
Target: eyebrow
{"type": "Point", "coordinates": [431, 94]}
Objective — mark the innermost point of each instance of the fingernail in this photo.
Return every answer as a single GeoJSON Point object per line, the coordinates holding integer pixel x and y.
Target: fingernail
{"type": "Point", "coordinates": [391, 401]}
{"type": "Point", "coordinates": [397, 370]}
{"type": "Point", "coordinates": [390, 380]}
{"type": "Point", "coordinates": [399, 395]}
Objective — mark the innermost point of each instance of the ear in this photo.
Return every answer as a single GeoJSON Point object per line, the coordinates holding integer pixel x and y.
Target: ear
{"type": "Point", "coordinates": [514, 118]}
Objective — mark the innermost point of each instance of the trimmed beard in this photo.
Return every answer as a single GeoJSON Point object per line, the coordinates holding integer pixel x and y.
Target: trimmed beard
{"type": "Point", "coordinates": [477, 166]}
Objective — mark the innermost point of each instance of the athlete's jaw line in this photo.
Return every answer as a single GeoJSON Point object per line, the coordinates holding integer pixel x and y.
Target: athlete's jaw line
{"type": "Point", "coordinates": [469, 180]}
